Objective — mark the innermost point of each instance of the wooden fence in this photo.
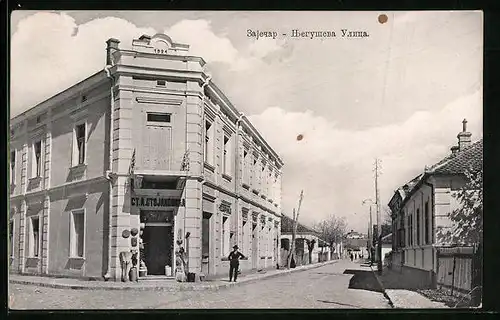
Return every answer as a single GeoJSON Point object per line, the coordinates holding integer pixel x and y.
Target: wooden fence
{"type": "Point", "coordinates": [457, 269]}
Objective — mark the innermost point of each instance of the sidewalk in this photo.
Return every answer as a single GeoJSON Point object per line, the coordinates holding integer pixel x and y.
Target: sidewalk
{"type": "Point", "coordinates": [158, 285]}
{"type": "Point", "coordinates": [393, 284]}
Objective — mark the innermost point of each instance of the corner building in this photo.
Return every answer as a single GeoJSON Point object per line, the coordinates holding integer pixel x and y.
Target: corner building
{"type": "Point", "coordinates": [150, 143]}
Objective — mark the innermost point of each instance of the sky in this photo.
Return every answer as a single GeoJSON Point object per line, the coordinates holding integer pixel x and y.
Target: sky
{"type": "Point", "coordinates": [398, 95]}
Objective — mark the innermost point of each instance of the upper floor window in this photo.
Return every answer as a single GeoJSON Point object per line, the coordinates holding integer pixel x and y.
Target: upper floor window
{"type": "Point", "coordinates": [418, 226]}
{"type": "Point", "coordinates": [208, 154]}
{"type": "Point", "coordinates": [245, 165]}
{"type": "Point", "coordinates": [37, 159]}
{"type": "Point", "coordinates": [225, 156]}
{"type": "Point", "coordinates": [79, 144]}
{"type": "Point", "coordinates": [12, 167]}
{"type": "Point", "coordinates": [158, 117]}
{"type": "Point", "coordinates": [161, 83]}
{"type": "Point", "coordinates": [426, 224]}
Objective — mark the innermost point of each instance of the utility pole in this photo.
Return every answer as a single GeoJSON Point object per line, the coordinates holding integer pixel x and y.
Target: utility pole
{"type": "Point", "coordinates": [379, 227]}
{"type": "Point", "coordinates": [294, 229]}
{"type": "Point", "coordinates": [370, 231]}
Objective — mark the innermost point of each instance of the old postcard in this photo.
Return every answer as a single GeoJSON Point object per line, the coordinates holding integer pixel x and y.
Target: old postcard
{"type": "Point", "coordinates": [184, 159]}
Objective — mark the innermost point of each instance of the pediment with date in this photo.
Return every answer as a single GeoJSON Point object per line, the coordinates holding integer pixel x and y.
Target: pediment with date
{"type": "Point", "coordinates": [160, 44]}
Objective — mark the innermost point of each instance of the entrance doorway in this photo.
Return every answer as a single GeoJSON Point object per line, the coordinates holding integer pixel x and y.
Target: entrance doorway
{"type": "Point", "coordinates": [158, 247]}
{"type": "Point", "coordinates": [205, 243]}
{"type": "Point", "coordinates": [255, 242]}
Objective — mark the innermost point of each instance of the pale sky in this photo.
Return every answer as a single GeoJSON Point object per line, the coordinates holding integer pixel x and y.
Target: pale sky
{"type": "Point", "coordinates": [399, 94]}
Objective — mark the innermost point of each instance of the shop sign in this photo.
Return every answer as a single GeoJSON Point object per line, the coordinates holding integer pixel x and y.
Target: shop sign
{"type": "Point", "coordinates": [224, 208]}
{"type": "Point", "coordinates": [158, 202]}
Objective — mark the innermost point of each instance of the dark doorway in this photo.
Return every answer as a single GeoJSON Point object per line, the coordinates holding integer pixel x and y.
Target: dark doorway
{"type": "Point", "coordinates": [205, 243]}
{"type": "Point", "coordinates": [158, 245]}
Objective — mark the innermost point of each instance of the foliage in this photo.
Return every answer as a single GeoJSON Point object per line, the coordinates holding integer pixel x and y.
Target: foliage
{"type": "Point", "coordinates": [467, 219]}
{"type": "Point", "coordinates": [332, 229]}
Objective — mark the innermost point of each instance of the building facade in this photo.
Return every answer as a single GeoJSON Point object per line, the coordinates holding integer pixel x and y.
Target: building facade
{"type": "Point", "coordinates": [304, 238]}
{"type": "Point", "coordinates": [422, 206]}
{"type": "Point", "coordinates": [355, 243]}
{"type": "Point", "coordinates": [149, 143]}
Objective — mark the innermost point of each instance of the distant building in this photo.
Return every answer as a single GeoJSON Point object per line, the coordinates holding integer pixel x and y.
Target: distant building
{"type": "Point", "coordinates": [421, 207]}
{"type": "Point", "coordinates": [304, 235]}
{"type": "Point", "coordinates": [354, 235]}
{"type": "Point", "coordinates": [355, 243]}
{"type": "Point", "coordinates": [148, 143]}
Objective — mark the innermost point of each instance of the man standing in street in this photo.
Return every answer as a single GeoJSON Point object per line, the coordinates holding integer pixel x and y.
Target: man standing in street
{"type": "Point", "coordinates": [234, 263]}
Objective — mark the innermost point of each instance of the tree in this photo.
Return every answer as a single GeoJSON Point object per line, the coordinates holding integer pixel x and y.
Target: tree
{"type": "Point", "coordinates": [467, 219]}
{"type": "Point", "coordinates": [310, 247]}
{"type": "Point", "coordinates": [331, 230]}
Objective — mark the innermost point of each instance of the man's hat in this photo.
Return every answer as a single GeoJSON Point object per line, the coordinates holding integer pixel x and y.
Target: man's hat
{"type": "Point", "coordinates": [235, 247]}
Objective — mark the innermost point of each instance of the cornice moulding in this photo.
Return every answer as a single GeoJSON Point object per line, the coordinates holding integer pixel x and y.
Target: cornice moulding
{"type": "Point", "coordinates": [174, 102]}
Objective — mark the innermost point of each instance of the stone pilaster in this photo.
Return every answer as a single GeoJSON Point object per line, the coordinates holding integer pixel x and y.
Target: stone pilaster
{"type": "Point", "coordinates": [46, 158]}
{"type": "Point", "coordinates": [22, 236]}
{"type": "Point", "coordinates": [45, 235]}
{"type": "Point", "coordinates": [194, 130]}
{"type": "Point", "coordinates": [122, 157]}
{"type": "Point", "coordinates": [192, 222]}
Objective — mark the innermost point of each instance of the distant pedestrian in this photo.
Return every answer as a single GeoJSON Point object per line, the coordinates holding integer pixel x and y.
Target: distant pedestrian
{"type": "Point", "coordinates": [352, 257]}
{"type": "Point", "coordinates": [234, 263]}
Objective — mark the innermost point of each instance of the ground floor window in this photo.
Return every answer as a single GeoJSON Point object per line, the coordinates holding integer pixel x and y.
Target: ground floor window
{"type": "Point", "coordinates": [205, 235]}
{"type": "Point", "coordinates": [11, 238]}
{"type": "Point", "coordinates": [243, 238]}
{"type": "Point", "coordinates": [225, 239]}
{"type": "Point", "coordinates": [77, 234]}
{"type": "Point", "coordinates": [34, 237]}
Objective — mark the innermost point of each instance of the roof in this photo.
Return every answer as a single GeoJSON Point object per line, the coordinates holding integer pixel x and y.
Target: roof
{"type": "Point", "coordinates": [470, 158]}
{"type": "Point", "coordinates": [287, 226]}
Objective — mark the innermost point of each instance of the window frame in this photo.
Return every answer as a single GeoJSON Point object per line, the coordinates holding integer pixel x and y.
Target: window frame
{"type": "Point", "coordinates": [31, 242]}
{"type": "Point", "coordinates": [225, 155]}
{"type": "Point", "coordinates": [13, 167]}
{"type": "Point", "coordinates": [75, 154]}
{"type": "Point", "coordinates": [159, 123]}
{"type": "Point", "coordinates": [225, 234]}
{"type": "Point", "coordinates": [73, 241]}
{"type": "Point", "coordinates": [244, 172]}
{"type": "Point", "coordinates": [208, 152]}
{"type": "Point", "coordinates": [418, 226]}
{"type": "Point", "coordinates": [36, 168]}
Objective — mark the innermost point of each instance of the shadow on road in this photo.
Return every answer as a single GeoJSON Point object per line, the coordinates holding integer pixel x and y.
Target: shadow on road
{"type": "Point", "coordinates": [364, 280]}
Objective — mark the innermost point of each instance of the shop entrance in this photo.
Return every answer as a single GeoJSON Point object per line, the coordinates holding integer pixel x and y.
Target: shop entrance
{"type": "Point", "coordinates": [158, 240]}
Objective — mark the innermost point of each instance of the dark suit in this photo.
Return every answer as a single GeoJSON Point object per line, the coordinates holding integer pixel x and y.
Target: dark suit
{"type": "Point", "coordinates": [234, 264]}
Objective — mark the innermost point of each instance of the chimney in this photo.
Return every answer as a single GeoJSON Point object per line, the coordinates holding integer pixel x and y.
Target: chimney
{"type": "Point", "coordinates": [112, 47]}
{"type": "Point", "coordinates": [464, 137]}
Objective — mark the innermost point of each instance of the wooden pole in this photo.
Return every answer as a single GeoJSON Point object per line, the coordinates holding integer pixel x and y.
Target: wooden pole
{"type": "Point", "coordinates": [294, 229]}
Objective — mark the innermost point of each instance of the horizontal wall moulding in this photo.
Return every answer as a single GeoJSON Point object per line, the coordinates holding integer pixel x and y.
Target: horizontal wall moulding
{"type": "Point", "coordinates": [159, 101]}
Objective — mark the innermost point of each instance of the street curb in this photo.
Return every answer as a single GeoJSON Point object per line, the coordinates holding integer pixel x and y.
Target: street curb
{"type": "Point", "coordinates": [391, 303]}
{"type": "Point", "coordinates": [177, 288]}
